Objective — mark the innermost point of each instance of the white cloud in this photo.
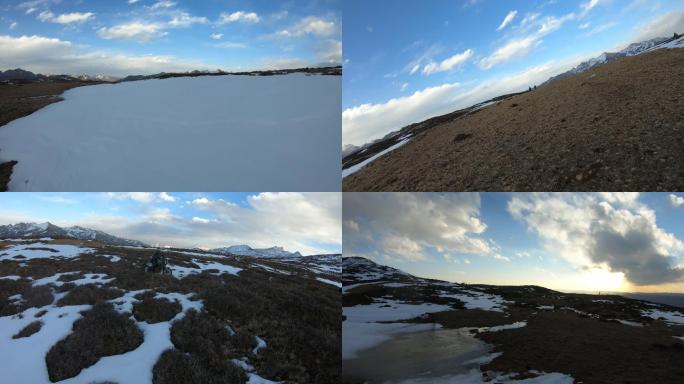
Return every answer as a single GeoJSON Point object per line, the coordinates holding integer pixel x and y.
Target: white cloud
{"type": "Point", "coordinates": [447, 64]}
{"type": "Point", "coordinates": [600, 28]}
{"type": "Point", "coordinates": [201, 220]}
{"type": "Point", "coordinates": [137, 31]}
{"type": "Point", "coordinates": [513, 49]}
{"type": "Point", "coordinates": [13, 25]}
{"type": "Point", "coordinates": [230, 45]}
{"type": "Point", "coordinates": [585, 25]}
{"type": "Point", "coordinates": [163, 4]}
{"type": "Point", "coordinates": [676, 201]}
{"type": "Point", "coordinates": [588, 6]}
{"type": "Point", "coordinates": [614, 233]}
{"type": "Point", "coordinates": [310, 25]}
{"type": "Point", "coordinates": [216, 36]}
{"type": "Point", "coordinates": [184, 19]}
{"type": "Point", "coordinates": [404, 86]}
{"type": "Point", "coordinates": [508, 19]}
{"type": "Point", "coordinates": [132, 1]}
{"type": "Point", "coordinates": [166, 197]}
{"type": "Point", "coordinates": [142, 197]}
{"type": "Point", "coordinates": [404, 226]}
{"type": "Point", "coordinates": [66, 18]}
{"type": "Point", "coordinates": [239, 17]}
{"type": "Point", "coordinates": [660, 26]}
{"type": "Point", "coordinates": [329, 52]}
{"type": "Point", "coordinates": [367, 122]}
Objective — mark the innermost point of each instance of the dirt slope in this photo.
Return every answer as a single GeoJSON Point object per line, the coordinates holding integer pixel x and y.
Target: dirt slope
{"type": "Point", "coordinates": [616, 127]}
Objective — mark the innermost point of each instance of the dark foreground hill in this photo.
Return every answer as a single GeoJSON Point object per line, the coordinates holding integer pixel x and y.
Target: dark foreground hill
{"type": "Point", "coordinates": [523, 331]}
{"type": "Point", "coordinates": [617, 126]}
{"type": "Point", "coordinates": [87, 312]}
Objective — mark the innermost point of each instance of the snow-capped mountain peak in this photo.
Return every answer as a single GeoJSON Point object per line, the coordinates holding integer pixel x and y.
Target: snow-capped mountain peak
{"type": "Point", "coordinates": [43, 230]}
{"type": "Point", "coordinates": [246, 250]}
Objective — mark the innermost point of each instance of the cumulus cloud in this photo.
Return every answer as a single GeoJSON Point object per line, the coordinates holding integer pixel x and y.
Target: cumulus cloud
{"type": "Point", "coordinates": [13, 25]}
{"type": "Point", "coordinates": [447, 64]}
{"type": "Point", "coordinates": [137, 30]}
{"type": "Point", "coordinates": [676, 201]}
{"type": "Point", "coordinates": [403, 226]}
{"type": "Point", "coordinates": [163, 4]}
{"type": "Point", "coordinates": [183, 20]}
{"type": "Point", "coordinates": [51, 55]}
{"type": "Point", "coordinates": [513, 49]}
{"type": "Point", "coordinates": [216, 36]}
{"type": "Point", "coordinates": [66, 18]}
{"type": "Point", "coordinates": [508, 19]}
{"type": "Point", "coordinates": [614, 233]}
{"type": "Point", "coordinates": [660, 26]}
{"type": "Point", "coordinates": [239, 17]}
{"type": "Point", "coordinates": [329, 52]}
{"type": "Point", "coordinates": [310, 25]}
{"type": "Point", "coordinates": [364, 123]}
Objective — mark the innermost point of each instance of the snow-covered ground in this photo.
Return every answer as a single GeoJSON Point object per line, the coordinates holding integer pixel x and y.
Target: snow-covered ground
{"type": "Point", "coordinates": [237, 133]}
{"type": "Point", "coordinates": [479, 300]}
{"type": "Point", "coordinates": [42, 251]}
{"type": "Point", "coordinates": [355, 168]}
{"type": "Point", "coordinates": [670, 317]}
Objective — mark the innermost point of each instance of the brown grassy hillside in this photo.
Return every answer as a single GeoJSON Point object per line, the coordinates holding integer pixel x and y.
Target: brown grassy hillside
{"type": "Point", "coordinates": [619, 126]}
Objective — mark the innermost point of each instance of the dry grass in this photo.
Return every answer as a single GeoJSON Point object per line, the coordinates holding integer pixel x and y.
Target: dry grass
{"type": "Point", "coordinates": [176, 367]}
{"type": "Point", "coordinates": [89, 294]}
{"type": "Point", "coordinates": [155, 310]}
{"type": "Point", "coordinates": [101, 332]}
{"type": "Point", "coordinates": [29, 330]}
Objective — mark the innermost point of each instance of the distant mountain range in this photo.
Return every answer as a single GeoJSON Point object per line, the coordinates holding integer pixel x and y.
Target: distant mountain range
{"type": "Point", "coordinates": [49, 230]}
{"type": "Point", "coordinates": [20, 75]}
{"type": "Point", "coordinates": [245, 250]}
{"type": "Point", "coordinates": [676, 41]}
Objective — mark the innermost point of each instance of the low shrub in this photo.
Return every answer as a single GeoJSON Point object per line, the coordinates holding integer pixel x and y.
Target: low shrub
{"type": "Point", "coordinates": [176, 367]}
{"type": "Point", "coordinates": [155, 310]}
{"type": "Point", "coordinates": [89, 294]}
{"type": "Point", "coordinates": [100, 332]}
{"type": "Point", "coordinates": [29, 330]}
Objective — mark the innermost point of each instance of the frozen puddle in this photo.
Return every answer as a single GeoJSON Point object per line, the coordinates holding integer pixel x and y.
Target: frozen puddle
{"type": "Point", "coordinates": [235, 133]}
{"type": "Point", "coordinates": [429, 354]}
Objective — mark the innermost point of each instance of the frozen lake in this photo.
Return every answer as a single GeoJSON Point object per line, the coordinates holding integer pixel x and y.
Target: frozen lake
{"type": "Point", "coordinates": [213, 133]}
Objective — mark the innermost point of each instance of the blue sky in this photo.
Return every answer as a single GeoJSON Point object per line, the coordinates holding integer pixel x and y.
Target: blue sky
{"type": "Point", "coordinates": [405, 63]}
{"type": "Point", "coordinates": [573, 242]}
{"type": "Point", "coordinates": [305, 222]}
{"type": "Point", "coordinates": [126, 36]}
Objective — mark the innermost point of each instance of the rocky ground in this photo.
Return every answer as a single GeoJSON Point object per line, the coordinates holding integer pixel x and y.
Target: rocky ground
{"type": "Point", "coordinates": [618, 126]}
{"type": "Point", "coordinates": [74, 311]}
{"type": "Point", "coordinates": [533, 332]}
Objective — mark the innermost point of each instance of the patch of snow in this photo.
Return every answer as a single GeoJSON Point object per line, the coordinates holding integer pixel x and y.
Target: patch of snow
{"type": "Point", "coordinates": [679, 337]}
{"type": "Point", "coordinates": [499, 328]}
{"type": "Point", "coordinates": [331, 282]}
{"type": "Point", "coordinates": [112, 258]}
{"type": "Point", "coordinates": [60, 251]}
{"type": "Point", "coordinates": [88, 278]}
{"type": "Point", "coordinates": [546, 307]}
{"type": "Point", "coordinates": [256, 379]}
{"type": "Point", "coordinates": [271, 269]}
{"type": "Point", "coordinates": [670, 317]}
{"type": "Point", "coordinates": [603, 301]}
{"type": "Point", "coordinates": [479, 300]}
{"type": "Point", "coordinates": [261, 344]}
{"type": "Point", "coordinates": [10, 277]}
{"type": "Point", "coordinates": [180, 272]}
{"type": "Point", "coordinates": [355, 168]}
{"type": "Point", "coordinates": [361, 329]}
{"type": "Point", "coordinates": [23, 359]}
{"type": "Point", "coordinates": [476, 377]}
{"type": "Point", "coordinates": [630, 323]}
{"type": "Point", "coordinates": [268, 128]}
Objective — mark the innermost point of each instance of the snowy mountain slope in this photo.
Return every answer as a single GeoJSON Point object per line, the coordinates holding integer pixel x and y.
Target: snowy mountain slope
{"type": "Point", "coordinates": [49, 230]}
{"type": "Point", "coordinates": [632, 50]}
{"type": "Point", "coordinates": [246, 250]}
